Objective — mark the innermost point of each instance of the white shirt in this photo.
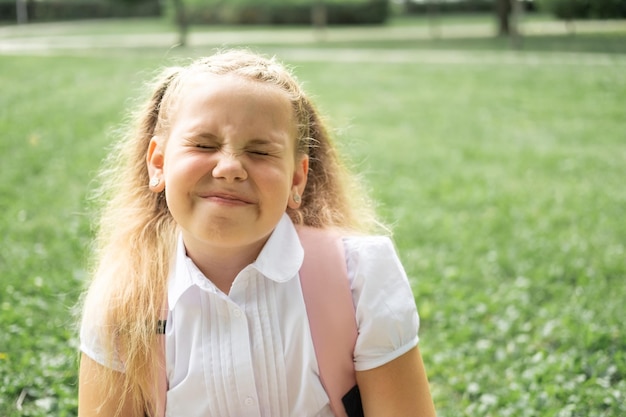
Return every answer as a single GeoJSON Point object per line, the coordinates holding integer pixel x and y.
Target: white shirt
{"type": "Point", "coordinates": [250, 353]}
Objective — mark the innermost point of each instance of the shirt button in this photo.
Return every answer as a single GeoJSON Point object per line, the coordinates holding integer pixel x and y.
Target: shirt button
{"type": "Point", "coordinates": [249, 401]}
{"type": "Point", "coordinates": [237, 313]}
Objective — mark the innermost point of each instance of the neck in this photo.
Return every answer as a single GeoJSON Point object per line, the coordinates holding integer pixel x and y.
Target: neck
{"type": "Point", "coordinates": [222, 265]}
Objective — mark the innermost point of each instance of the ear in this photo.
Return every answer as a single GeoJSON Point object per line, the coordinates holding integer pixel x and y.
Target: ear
{"type": "Point", "coordinates": [300, 175]}
{"type": "Point", "coordinates": [155, 159]}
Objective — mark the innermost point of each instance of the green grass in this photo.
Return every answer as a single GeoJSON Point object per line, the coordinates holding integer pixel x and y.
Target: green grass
{"type": "Point", "coordinates": [587, 42]}
{"type": "Point", "coordinates": [504, 183]}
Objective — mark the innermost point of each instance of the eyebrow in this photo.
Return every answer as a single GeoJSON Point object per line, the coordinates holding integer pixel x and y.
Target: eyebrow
{"type": "Point", "coordinates": [263, 142]}
{"type": "Point", "coordinates": [203, 135]}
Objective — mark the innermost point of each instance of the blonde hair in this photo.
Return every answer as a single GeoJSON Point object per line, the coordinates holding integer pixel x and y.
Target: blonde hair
{"type": "Point", "coordinates": [136, 233]}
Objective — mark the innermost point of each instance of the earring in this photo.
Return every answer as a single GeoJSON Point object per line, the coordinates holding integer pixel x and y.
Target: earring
{"type": "Point", "coordinates": [296, 198]}
{"type": "Point", "coordinates": [154, 181]}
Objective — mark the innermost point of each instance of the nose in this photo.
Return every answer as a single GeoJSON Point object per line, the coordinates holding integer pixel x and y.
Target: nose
{"type": "Point", "coordinates": [229, 167]}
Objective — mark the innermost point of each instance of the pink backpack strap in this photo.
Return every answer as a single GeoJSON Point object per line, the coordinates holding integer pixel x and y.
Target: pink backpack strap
{"type": "Point", "coordinates": [329, 306]}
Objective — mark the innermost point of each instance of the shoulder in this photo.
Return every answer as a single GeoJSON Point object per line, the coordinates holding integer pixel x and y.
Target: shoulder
{"type": "Point", "coordinates": [371, 255]}
{"type": "Point", "coordinates": [97, 343]}
{"type": "Point", "coordinates": [356, 243]}
{"type": "Point", "coordinates": [373, 262]}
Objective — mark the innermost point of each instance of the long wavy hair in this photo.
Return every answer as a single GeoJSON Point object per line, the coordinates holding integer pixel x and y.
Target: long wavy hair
{"type": "Point", "coordinates": [136, 234]}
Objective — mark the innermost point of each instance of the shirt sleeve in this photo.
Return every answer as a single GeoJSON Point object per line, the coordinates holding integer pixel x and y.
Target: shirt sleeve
{"type": "Point", "coordinates": [91, 344]}
{"type": "Point", "coordinates": [386, 314]}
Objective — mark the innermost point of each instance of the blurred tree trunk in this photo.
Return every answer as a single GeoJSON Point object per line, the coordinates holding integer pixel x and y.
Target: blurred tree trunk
{"type": "Point", "coordinates": [319, 18]}
{"type": "Point", "coordinates": [433, 19]}
{"type": "Point", "coordinates": [517, 12]}
{"type": "Point", "coordinates": [181, 22]}
{"type": "Point", "coordinates": [509, 14]}
{"type": "Point", "coordinates": [504, 9]}
{"type": "Point", "coordinates": [21, 10]}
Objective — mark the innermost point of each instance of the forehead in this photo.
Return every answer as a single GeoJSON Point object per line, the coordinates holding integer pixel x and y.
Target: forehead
{"type": "Point", "coordinates": [205, 85]}
{"type": "Point", "coordinates": [237, 85]}
{"type": "Point", "coordinates": [230, 100]}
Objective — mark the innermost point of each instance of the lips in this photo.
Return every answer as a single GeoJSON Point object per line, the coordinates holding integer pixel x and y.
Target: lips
{"type": "Point", "coordinates": [226, 197]}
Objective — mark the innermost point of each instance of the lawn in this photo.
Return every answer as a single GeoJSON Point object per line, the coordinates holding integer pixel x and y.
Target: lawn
{"type": "Point", "coordinates": [503, 181]}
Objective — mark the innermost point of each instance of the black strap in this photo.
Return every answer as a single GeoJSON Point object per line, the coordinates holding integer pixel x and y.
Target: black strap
{"type": "Point", "coordinates": [161, 326]}
{"type": "Point", "coordinates": [352, 402]}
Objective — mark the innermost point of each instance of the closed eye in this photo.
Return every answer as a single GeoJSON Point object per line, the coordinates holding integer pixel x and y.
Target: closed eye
{"type": "Point", "coordinates": [207, 147]}
{"type": "Point", "coordinates": [259, 153]}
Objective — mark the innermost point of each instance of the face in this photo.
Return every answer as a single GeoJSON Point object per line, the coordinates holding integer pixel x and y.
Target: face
{"type": "Point", "coordinates": [228, 164]}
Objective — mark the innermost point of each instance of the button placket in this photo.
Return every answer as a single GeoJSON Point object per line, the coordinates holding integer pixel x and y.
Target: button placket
{"type": "Point", "coordinates": [242, 358]}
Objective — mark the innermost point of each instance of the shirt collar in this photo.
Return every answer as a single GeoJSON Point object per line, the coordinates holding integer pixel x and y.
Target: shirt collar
{"type": "Point", "coordinates": [282, 256]}
{"type": "Point", "coordinates": [180, 277]}
{"type": "Point", "coordinates": [279, 260]}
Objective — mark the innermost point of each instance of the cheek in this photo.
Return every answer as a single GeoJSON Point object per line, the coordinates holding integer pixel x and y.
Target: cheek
{"type": "Point", "coordinates": [181, 167]}
{"type": "Point", "coordinates": [276, 178]}
{"type": "Point", "coordinates": [180, 176]}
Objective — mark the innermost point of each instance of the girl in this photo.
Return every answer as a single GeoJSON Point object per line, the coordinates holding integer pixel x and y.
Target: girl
{"type": "Point", "coordinates": [228, 157]}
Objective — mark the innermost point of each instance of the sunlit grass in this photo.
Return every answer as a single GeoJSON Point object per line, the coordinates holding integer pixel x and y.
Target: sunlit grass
{"type": "Point", "coordinates": [504, 184]}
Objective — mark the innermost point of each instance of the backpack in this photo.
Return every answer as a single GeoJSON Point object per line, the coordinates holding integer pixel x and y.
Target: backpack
{"type": "Point", "coordinates": [330, 309]}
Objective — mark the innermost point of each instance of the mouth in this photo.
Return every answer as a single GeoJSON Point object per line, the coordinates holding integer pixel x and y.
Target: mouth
{"type": "Point", "coordinates": [227, 198]}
